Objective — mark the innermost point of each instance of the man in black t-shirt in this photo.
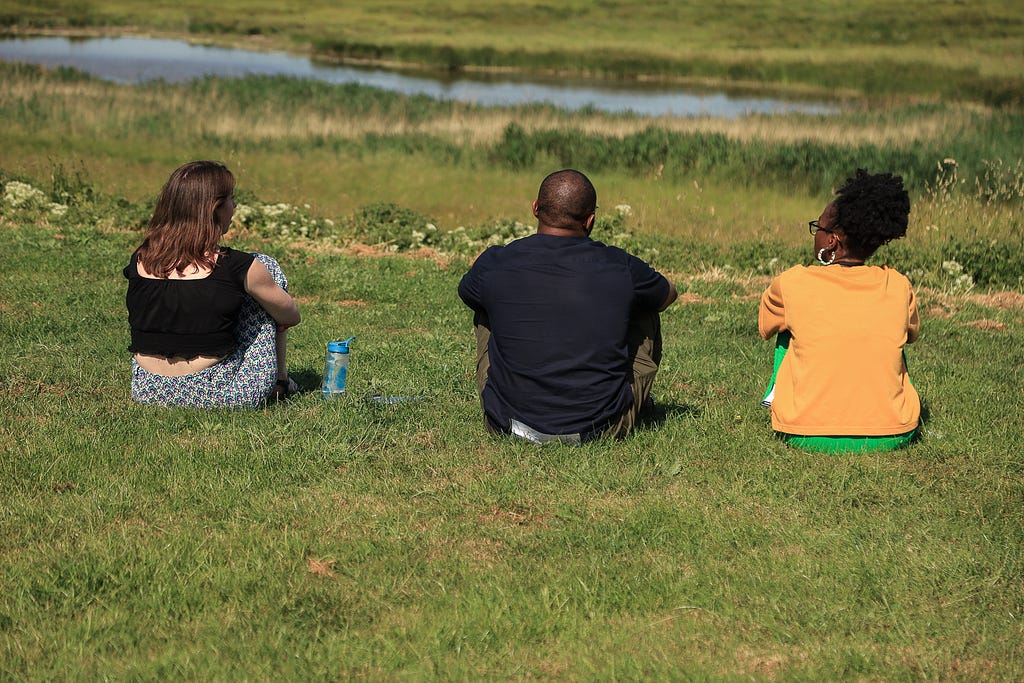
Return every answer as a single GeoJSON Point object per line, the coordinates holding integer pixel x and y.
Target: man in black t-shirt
{"type": "Point", "coordinates": [568, 331]}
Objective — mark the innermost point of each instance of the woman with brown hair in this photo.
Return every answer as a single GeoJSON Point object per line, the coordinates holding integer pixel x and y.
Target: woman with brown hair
{"type": "Point", "coordinates": [208, 323]}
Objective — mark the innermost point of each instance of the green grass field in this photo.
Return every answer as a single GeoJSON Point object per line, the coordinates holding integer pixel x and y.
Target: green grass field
{"type": "Point", "coordinates": [315, 540]}
{"type": "Point", "coordinates": [350, 539]}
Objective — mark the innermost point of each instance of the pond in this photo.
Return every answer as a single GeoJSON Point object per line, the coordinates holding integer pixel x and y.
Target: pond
{"type": "Point", "coordinates": [135, 60]}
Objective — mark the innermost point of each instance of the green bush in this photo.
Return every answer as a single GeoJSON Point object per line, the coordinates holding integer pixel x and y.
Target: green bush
{"type": "Point", "coordinates": [393, 225]}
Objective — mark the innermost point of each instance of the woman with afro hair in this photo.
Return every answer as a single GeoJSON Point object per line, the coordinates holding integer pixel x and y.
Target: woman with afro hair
{"type": "Point", "coordinates": [840, 383]}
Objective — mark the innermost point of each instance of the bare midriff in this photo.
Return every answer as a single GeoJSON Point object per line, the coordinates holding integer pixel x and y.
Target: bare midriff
{"type": "Point", "coordinates": [175, 366]}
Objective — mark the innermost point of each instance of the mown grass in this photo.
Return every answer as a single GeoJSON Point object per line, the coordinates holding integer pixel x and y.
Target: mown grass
{"type": "Point", "coordinates": [949, 49]}
{"type": "Point", "coordinates": [315, 540]}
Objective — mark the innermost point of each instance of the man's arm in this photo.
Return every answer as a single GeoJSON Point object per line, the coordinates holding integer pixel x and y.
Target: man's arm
{"type": "Point", "coordinates": [672, 296]}
{"type": "Point", "coordinates": [471, 284]}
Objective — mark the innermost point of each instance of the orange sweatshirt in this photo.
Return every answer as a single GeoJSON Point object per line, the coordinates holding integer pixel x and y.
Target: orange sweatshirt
{"type": "Point", "coordinates": [844, 373]}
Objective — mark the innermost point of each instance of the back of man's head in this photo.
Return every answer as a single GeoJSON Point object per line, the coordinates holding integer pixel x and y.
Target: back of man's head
{"type": "Point", "coordinates": [565, 200]}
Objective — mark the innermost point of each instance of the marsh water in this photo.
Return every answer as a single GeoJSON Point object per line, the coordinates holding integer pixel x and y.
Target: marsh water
{"type": "Point", "coordinates": [136, 60]}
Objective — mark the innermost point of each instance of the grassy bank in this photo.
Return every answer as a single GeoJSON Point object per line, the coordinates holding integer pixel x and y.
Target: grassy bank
{"type": "Point", "coordinates": [314, 540]}
{"type": "Point", "coordinates": [357, 539]}
{"type": "Point", "coordinates": [733, 193]}
{"type": "Point", "coordinates": [950, 50]}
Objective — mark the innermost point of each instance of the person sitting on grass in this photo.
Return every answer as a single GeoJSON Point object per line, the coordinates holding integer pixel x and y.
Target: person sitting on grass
{"type": "Point", "coordinates": [568, 333]}
{"type": "Point", "coordinates": [208, 323]}
{"type": "Point", "coordinates": [842, 385]}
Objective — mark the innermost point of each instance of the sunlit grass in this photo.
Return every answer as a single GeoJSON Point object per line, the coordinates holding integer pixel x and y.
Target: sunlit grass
{"type": "Point", "coordinates": [338, 149]}
{"type": "Point", "coordinates": [969, 50]}
{"type": "Point", "coordinates": [322, 540]}
{"type": "Point", "coordinates": [89, 107]}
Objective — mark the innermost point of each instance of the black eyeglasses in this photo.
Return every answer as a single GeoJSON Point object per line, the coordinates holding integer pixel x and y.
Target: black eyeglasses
{"type": "Point", "coordinates": [815, 226]}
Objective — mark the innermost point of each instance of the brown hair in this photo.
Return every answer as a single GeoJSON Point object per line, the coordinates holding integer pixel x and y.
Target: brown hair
{"type": "Point", "coordinates": [183, 230]}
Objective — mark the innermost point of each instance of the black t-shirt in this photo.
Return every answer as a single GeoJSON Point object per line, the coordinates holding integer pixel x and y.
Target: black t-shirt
{"type": "Point", "coordinates": [187, 318]}
{"type": "Point", "coordinates": [558, 309]}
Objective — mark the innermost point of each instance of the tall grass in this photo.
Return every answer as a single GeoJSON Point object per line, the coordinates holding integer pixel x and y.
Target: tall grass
{"type": "Point", "coordinates": [278, 111]}
{"type": "Point", "coordinates": [734, 194]}
{"type": "Point", "coordinates": [938, 49]}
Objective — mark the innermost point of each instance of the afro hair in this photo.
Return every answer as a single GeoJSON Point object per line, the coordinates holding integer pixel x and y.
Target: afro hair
{"type": "Point", "coordinates": [872, 210]}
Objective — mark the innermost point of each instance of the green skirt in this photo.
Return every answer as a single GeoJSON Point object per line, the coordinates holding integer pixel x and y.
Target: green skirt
{"type": "Point", "coordinates": [847, 444]}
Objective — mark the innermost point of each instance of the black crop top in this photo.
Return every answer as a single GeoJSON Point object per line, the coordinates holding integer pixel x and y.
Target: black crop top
{"type": "Point", "coordinates": [187, 318]}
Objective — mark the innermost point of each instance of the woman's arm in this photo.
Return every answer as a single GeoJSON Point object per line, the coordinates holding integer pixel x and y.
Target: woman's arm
{"type": "Point", "coordinates": [771, 317]}
{"type": "Point", "coordinates": [260, 285]}
{"type": "Point", "coordinates": [913, 320]}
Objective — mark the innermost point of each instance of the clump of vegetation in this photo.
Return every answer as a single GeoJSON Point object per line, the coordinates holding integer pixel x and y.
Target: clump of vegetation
{"type": "Point", "coordinates": [956, 253]}
{"type": "Point", "coordinates": [812, 167]}
{"type": "Point", "coordinates": [960, 218]}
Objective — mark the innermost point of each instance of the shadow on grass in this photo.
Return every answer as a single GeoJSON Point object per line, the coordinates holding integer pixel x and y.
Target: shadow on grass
{"type": "Point", "coordinates": [922, 433]}
{"type": "Point", "coordinates": [663, 411]}
{"type": "Point", "coordinates": [308, 381]}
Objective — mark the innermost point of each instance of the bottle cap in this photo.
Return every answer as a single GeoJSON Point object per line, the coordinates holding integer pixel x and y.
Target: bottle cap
{"type": "Point", "coordinates": [339, 346]}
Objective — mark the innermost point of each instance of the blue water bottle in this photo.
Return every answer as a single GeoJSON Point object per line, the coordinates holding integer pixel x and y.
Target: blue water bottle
{"type": "Point", "coordinates": [335, 369]}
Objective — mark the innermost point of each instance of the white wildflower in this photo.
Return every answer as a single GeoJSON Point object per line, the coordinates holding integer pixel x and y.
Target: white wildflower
{"type": "Point", "coordinates": [952, 267]}
{"type": "Point", "coordinates": [22, 194]}
{"type": "Point", "coordinates": [274, 210]}
{"type": "Point", "coordinates": [624, 209]}
{"type": "Point", "coordinates": [57, 210]}
{"type": "Point", "coordinates": [244, 213]}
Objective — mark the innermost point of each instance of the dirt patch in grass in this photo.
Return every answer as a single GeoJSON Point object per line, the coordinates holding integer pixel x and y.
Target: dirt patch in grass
{"type": "Point", "coordinates": [27, 387]}
{"type": "Point", "coordinates": [320, 568]}
{"type": "Point", "coordinates": [1001, 301]}
{"type": "Point", "coordinates": [687, 298]}
{"type": "Point", "coordinates": [483, 553]}
{"type": "Point", "coordinates": [944, 305]}
{"type": "Point", "coordinates": [942, 310]}
{"type": "Point", "coordinates": [986, 324]}
{"type": "Point", "coordinates": [512, 516]}
{"type": "Point", "coordinates": [766, 664]}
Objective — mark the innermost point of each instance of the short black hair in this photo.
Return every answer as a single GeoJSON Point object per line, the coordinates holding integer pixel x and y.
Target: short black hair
{"type": "Point", "coordinates": [872, 210]}
{"type": "Point", "coordinates": [566, 199]}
